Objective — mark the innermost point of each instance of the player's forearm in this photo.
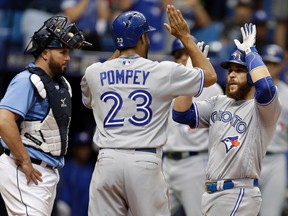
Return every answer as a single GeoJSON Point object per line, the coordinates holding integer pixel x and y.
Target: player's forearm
{"type": "Point", "coordinates": [103, 10]}
{"type": "Point", "coordinates": [86, 94]}
{"type": "Point", "coordinates": [259, 73]}
{"type": "Point", "coordinates": [188, 117]}
{"type": "Point", "coordinates": [75, 12]}
{"type": "Point", "coordinates": [255, 65]}
{"type": "Point", "coordinates": [202, 17]}
{"type": "Point", "coordinates": [10, 134]}
{"type": "Point", "coordinates": [124, 5]}
{"type": "Point", "coordinates": [182, 103]}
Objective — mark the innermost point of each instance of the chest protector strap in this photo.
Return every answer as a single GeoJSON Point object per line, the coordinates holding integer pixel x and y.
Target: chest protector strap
{"type": "Point", "coordinates": [51, 134]}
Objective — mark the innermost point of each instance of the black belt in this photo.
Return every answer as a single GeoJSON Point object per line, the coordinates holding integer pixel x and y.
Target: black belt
{"type": "Point", "coordinates": [179, 155]}
{"type": "Point", "coordinates": [228, 184]}
{"type": "Point", "coordinates": [151, 150]}
{"type": "Point", "coordinates": [33, 160]}
{"type": "Point", "coordinates": [273, 153]}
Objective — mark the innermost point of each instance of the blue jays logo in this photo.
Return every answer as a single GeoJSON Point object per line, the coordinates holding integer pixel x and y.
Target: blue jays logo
{"type": "Point", "coordinates": [237, 55]}
{"type": "Point", "coordinates": [230, 142]}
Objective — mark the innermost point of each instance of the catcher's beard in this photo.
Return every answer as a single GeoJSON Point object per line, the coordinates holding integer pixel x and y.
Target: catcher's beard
{"type": "Point", "coordinates": [56, 68]}
{"type": "Point", "coordinates": [241, 92]}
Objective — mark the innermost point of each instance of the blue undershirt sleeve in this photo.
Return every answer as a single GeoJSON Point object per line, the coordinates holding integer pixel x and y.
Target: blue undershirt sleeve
{"type": "Point", "coordinates": [265, 90]}
{"type": "Point", "coordinates": [188, 117]}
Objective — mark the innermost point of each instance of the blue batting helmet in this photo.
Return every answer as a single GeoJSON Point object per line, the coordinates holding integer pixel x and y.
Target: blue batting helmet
{"type": "Point", "coordinates": [127, 29]}
{"type": "Point", "coordinates": [272, 53]}
{"type": "Point", "coordinates": [236, 57]}
{"type": "Point", "coordinates": [177, 44]}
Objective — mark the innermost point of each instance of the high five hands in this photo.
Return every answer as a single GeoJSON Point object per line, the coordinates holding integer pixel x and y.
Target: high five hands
{"type": "Point", "coordinates": [178, 25]}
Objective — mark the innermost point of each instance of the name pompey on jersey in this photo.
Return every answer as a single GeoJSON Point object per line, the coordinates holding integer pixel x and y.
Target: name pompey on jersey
{"type": "Point", "coordinates": [137, 77]}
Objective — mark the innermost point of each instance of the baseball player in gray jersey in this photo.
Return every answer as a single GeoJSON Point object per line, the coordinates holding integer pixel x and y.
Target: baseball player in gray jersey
{"type": "Point", "coordinates": [186, 152]}
{"type": "Point", "coordinates": [241, 125]}
{"type": "Point", "coordinates": [273, 175]}
{"type": "Point", "coordinates": [131, 98]}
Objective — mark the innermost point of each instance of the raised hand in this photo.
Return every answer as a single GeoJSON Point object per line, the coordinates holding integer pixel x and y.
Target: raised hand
{"type": "Point", "coordinates": [249, 37]}
{"type": "Point", "coordinates": [178, 25]}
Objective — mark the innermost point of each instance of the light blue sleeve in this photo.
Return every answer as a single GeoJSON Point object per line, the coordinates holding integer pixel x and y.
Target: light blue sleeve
{"type": "Point", "coordinates": [22, 99]}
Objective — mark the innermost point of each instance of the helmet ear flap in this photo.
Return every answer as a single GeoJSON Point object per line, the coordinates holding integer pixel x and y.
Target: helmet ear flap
{"type": "Point", "coordinates": [39, 41]}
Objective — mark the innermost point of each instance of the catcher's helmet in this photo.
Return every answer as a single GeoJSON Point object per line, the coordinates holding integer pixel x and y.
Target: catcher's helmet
{"type": "Point", "coordinates": [127, 29]}
{"type": "Point", "coordinates": [236, 57]}
{"type": "Point", "coordinates": [177, 44]}
{"type": "Point", "coordinates": [272, 53]}
{"type": "Point", "coordinates": [55, 34]}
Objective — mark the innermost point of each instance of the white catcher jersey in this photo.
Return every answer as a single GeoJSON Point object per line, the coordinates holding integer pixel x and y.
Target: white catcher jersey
{"type": "Point", "coordinates": [131, 97]}
{"type": "Point", "coordinates": [279, 143]}
{"type": "Point", "coordinates": [183, 138]}
{"type": "Point", "coordinates": [239, 134]}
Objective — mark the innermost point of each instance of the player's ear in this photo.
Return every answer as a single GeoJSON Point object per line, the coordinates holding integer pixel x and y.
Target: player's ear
{"type": "Point", "coordinates": [144, 38]}
{"type": "Point", "coordinates": [44, 54]}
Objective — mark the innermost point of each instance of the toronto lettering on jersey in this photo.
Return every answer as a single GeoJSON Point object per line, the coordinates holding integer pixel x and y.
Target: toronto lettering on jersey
{"type": "Point", "coordinates": [137, 77]}
{"type": "Point", "coordinates": [227, 117]}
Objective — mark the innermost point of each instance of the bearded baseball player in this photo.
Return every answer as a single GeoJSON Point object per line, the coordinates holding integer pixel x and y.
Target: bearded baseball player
{"type": "Point", "coordinates": [131, 98]}
{"type": "Point", "coordinates": [186, 151]}
{"type": "Point", "coordinates": [273, 179]}
{"type": "Point", "coordinates": [241, 125]}
{"type": "Point", "coordinates": [35, 115]}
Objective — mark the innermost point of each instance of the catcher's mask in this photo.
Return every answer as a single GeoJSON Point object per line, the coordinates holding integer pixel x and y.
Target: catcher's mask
{"type": "Point", "coordinates": [55, 34]}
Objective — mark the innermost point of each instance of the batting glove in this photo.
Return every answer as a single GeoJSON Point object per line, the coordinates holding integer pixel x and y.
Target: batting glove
{"type": "Point", "coordinates": [204, 49]}
{"type": "Point", "coordinates": [249, 38]}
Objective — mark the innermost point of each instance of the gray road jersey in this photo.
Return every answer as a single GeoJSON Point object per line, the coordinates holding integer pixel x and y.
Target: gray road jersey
{"type": "Point", "coordinates": [239, 134]}
{"type": "Point", "coordinates": [131, 99]}
{"type": "Point", "coordinates": [181, 137]}
{"type": "Point", "coordinates": [279, 141]}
